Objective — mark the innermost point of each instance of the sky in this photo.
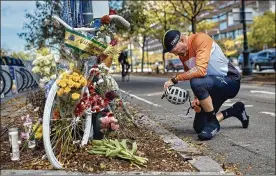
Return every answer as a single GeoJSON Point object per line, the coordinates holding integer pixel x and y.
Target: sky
{"type": "Point", "coordinates": [12, 20]}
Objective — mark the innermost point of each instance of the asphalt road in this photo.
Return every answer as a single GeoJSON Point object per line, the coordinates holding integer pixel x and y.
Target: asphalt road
{"type": "Point", "coordinates": [252, 149]}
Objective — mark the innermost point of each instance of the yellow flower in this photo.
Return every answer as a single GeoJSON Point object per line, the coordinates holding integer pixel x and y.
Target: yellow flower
{"type": "Point", "coordinates": [65, 75]}
{"type": "Point", "coordinates": [38, 133]}
{"type": "Point", "coordinates": [67, 90]}
{"type": "Point", "coordinates": [70, 83]}
{"type": "Point", "coordinates": [75, 96]}
{"type": "Point", "coordinates": [70, 77]}
{"type": "Point", "coordinates": [75, 74]}
{"type": "Point", "coordinates": [83, 81]}
{"type": "Point", "coordinates": [77, 85]}
{"type": "Point", "coordinates": [62, 83]}
{"type": "Point", "coordinates": [60, 92]}
{"type": "Point", "coordinates": [76, 78]}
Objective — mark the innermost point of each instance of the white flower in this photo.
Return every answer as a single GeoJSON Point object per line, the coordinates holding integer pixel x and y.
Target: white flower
{"type": "Point", "coordinates": [51, 57]}
{"type": "Point", "coordinates": [36, 69]}
{"type": "Point", "coordinates": [46, 70]}
{"type": "Point", "coordinates": [45, 79]}
{"type": "Point", "coordinates": [46, 61]}
{"type": "Point", "coordinates": [53, 76]}
{"type": "Point", "coordinates": [53, 64]}
{"type": "Point", "coordinates": [100, 81]}
{"type": "Point", "coordinates": [41, 84]}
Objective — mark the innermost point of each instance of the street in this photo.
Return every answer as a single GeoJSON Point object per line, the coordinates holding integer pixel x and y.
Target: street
{"type": "Point", "coordinates": [252, 149]}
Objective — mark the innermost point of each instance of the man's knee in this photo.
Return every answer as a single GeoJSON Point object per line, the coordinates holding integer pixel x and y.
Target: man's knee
{"type": "Point", "coordinates": [200, 87]}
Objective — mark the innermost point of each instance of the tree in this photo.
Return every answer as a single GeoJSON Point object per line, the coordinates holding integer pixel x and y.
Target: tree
{"type": "Point", "coordinates": [228, 47]}
{"type": "Point", "coordinates": [205, 26]}
{"type": "Point", "coordinates": [262, 31]}
{"type": "Point", "coordinates": [41, 31]}
{"type": "Point", "coordinates": [191, 10]}
{"type": "Point", "coordinates": [22, 55]}
{"type": "Point", "coordinates": [135, 13]}
{"type": "Point", "coordinates": [162, 17]}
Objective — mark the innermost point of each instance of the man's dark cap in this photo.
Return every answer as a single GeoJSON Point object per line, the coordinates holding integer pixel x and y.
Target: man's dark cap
{"type": "Point", "coordinates": [170, 39]}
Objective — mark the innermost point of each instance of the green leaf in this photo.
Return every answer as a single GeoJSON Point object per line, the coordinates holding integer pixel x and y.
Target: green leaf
{"type": "Point", "coordinates": [123, 144]}
{"type": "Point", "coordinates": [97, 152]}
{"type": "Point", "coordinates": [134, 148]}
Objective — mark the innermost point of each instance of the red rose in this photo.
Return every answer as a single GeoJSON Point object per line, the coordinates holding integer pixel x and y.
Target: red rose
{"type": "Point", "coordinates": [112, 12]}
{"type": "Point", "coordinates": [105, 19]}
{"type": "Point", "coordinates": [113, 42]}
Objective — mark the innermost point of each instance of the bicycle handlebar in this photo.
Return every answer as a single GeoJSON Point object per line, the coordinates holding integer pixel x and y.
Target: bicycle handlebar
{"type": "Point", "coordinates": [116, 17]}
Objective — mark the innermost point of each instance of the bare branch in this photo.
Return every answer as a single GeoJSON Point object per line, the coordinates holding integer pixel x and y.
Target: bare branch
{"type": "Point", "coordinates": [198, 11]}
{"type": "Point", "coordinates": [182, 14]}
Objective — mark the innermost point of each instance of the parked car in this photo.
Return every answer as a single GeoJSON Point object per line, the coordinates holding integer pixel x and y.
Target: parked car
{"type": "Point", "coordinates": [265, 59]}
{"type": "Point", "coordinates": [174, 64]}
{"type": "Point", "coordinates": [251, 58]}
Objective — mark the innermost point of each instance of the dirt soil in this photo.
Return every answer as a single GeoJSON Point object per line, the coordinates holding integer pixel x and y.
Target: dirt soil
{"type": "Point", "coordinates": [161, 158]}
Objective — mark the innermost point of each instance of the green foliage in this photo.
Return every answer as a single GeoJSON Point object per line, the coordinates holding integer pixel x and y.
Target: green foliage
{"type": "Point", "coordinates": [205, 26]}
{"type": "Point", "coordinates": [263, 31]}
{"type": "Point", "coordinates": [191, 10]}
{"type": "Point", "coordinates": [40, 30]}
{"type": "Point", "coordinates": [22, 55]}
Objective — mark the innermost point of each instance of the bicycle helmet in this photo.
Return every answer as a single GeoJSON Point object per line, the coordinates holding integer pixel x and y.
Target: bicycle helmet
{"type": "Point", "coordinates": [176, 95]}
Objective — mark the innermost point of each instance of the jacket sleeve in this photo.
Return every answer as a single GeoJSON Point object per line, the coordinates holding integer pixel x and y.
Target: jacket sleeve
{"type": "Point", "coordinates": [202, 45]}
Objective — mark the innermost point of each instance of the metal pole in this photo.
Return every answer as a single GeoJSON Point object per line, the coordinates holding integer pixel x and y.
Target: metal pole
{"type": "Point", "coordinates": [130, 53]}
{"type": "Point", "coordinates": [246, 70]}
{"type": "Point", "coordinates": [148, 55]}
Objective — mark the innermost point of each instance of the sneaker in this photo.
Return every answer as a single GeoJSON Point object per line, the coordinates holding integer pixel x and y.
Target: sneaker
{"type": "Point", "coordinates": [241, 114]}
{"type": "Point", "coordinates": [210, 130]}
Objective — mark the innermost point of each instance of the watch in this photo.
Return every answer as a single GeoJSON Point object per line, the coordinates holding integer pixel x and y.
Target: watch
{"type": "Point", "coordinates": [174, 80]}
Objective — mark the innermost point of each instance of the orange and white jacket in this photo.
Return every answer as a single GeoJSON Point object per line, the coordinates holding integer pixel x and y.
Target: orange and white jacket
{"type": "Point", "coordinates": [205, 57]}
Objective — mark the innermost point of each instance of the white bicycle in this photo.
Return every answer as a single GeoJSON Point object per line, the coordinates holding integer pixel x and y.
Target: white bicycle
{"type": "Point", "coordinates": [61, 136]}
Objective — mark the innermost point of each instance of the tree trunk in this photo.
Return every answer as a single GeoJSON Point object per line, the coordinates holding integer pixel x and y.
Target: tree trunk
{"type": "Point", "coordinates": [164, 64]}
{"type": "Point", "coordinates": [193, 25]}
{"type": "Point", "coordinates": [143, 53]}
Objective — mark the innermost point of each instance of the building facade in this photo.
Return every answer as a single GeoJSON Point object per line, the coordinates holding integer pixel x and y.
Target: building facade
{"type": "Point", "coordinates": [226, 15]}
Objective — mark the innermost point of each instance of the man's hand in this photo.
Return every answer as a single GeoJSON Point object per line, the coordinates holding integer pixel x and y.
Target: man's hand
{"type": "Point", "coordinates": [196, 105]}
{"type": "Point", "coordinates": [168, 84]}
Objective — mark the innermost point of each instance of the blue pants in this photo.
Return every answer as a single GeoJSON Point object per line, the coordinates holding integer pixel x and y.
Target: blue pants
{"type": "Point", "coordinates": [219, 88]}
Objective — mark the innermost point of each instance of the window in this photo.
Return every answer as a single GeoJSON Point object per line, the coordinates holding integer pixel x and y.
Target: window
{"type": "Point", "coordinates": [216, 37]}
{"type": "Point", "coordinates": [222, 17]}
{"type": "Point", "coordinates": [223, 25]}
{"type": "Point", "coordinates": [264, 54]}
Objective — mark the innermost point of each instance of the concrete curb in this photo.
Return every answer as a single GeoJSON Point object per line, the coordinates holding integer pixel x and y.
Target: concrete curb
{"type": "Point", "coordinates": [190, 154]}
{"type": "Point", "coordinates": [60, 172]}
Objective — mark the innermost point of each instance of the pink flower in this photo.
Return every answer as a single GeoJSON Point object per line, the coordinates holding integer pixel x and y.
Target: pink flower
{"type": "Point", "coordinates": [114, 126]}
{"type": "Point", "coordinates": [105, 122]}
{"type": "Point", "coordinates": [23, 135]}
{"type": "Point", "coordinates": [113, 120]}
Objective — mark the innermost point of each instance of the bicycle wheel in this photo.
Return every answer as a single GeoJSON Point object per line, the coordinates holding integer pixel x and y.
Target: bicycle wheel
{"type": "Point", "coordinates": [29, 77]}
{"type": "Point", "coordinates": [61, 135]}
{"type": "Point", "coordinates": [25, 80]}
{"type": "Point", "coordinates": [2, 84]}
{"type": "Point", "coordinates": [127, 77]}
{"type": "Point", "coordinates": [8, 81]}
{"type": "Point", "coordinates": [20, 80]}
